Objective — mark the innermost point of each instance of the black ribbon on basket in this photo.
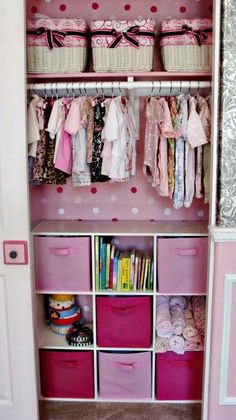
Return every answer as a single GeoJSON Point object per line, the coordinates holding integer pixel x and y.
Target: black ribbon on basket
{"type": "Point", "coordinates": [54, 38]}
{"type": "Point", "coordinates": [129, 35]}
{"type": "Point", "coordinates": [199, 35]}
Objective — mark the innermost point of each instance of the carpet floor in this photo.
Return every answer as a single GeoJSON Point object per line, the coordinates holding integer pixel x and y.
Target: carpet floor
{"type": "Point", "coordinates": [115, 411]}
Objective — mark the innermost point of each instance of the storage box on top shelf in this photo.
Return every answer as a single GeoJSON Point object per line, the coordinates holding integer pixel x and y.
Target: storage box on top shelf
{"type": "Point", "coordinates": [124, 321]}
{"type": "Point", "coordinates": [186, 44]}
{"type": "Point", "coordinates": [123, 45]}
{"type": "Point", "coordinates": [179, 377]}
{"type": "Point", "coordinates": [124, 375]}
{"type": "Point", "coordinates": [62, 264]}
{"type": "Point", "coordinates": [66, 374]}
{"type": "Point", "coordinates": [182, 265]}
{"type": "Point", "coordinates": [56, 45]}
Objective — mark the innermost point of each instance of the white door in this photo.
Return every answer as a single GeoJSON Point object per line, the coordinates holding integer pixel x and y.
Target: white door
{"type": "Point", "coordinates": [17, 366]}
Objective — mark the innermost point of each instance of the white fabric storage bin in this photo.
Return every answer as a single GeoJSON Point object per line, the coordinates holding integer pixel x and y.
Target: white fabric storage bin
{"type": "Point", "coordinates": [186, 44]}
{"type": "Point", "coordinates": [56, 45]}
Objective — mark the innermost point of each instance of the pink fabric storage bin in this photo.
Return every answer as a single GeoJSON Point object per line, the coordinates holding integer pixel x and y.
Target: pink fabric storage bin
{"type": "Point", "coordinates": [66, 374]}
{"type": "Point", "coordinates": [124, 375]}
{"type": "Point", "coordinates": [124, 321]}
{"type": "Point", "coordinates": [182, 265]}
{"type": "Point", "coordinates": [179, 377]}
{"type": "Point", "coordinates": [62, 263]}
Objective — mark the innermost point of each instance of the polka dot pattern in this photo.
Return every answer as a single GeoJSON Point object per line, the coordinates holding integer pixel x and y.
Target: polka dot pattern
{"type": "Point", "coordinates": [62, 7]}
{"type": "Point", "coordinates": [83, 9]}
{"type": "Point", "coordinates": [153, 9]}
{"type": "Point", "coordinates": [95, 210]}
{"type": "Point", "coordinates": [59, 190]}
{"type": "Point", "coordinates": [61, 211]}
{"type": "Point", "coordinates": [93, 190]}
{"type": "Point", "coordinates": [133, 190]}
{"type": "Point", "coordinates": [127, 7]}
{"type": "Point", "coordinates": [95, 6]}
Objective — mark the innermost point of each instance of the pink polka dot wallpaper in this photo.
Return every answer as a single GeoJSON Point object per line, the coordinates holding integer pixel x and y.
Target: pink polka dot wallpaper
{"type": "Point", "coordinates": [135, 199]}
{"type": "Point", "coordinates": [103, 9]}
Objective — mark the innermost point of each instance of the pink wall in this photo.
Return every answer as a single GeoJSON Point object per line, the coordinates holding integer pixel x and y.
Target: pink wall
{"type": "Point", "coordinates": [135, 199]}
{"type": "Point", "coordinates": [102, 9]}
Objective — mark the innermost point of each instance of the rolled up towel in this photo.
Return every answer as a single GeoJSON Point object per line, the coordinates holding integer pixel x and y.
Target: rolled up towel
{"type": "Point", "coordinates": [163, 317]}
{"type": "Point", "coordinates": [194, 345]}
{"type": "Point", "coordinates": [180, 301]}
{"type": "Point", "coordinates": [177, 319]}
{"type": "Point", "coordinates": [198, 301]}
{"type": "Point", "coordinates": [161, 345]}
{"type": "Point", "coordinates": [199, 312]}
{"type": "Point", "coordinates": [190, 330]}
{"type": "Point", "coordinates": [176, 343]}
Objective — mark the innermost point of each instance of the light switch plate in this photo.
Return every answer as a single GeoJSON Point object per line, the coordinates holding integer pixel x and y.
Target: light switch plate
{"type": "Point", "coordinates": [15, 252]}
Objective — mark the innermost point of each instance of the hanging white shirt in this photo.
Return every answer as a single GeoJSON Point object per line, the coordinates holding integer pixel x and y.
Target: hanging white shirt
{"type": "Point", "coordinates": [121, 131]}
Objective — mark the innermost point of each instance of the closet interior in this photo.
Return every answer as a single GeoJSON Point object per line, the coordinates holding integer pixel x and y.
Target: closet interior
{"type": "Point", "coordinates": [119, 230]}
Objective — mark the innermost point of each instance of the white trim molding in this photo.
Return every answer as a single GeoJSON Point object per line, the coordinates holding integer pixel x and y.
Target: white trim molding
{"type": "Point", "coordinates": [229, 282]}
{"type": "Point", "coordinates": [219, 234]}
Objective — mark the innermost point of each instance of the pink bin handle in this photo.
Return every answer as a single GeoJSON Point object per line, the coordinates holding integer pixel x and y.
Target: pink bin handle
{"type": "Point", "coordinates": [67, 363]}
{"type": "Point", "coordinates": [187, 252]}
{"type": "Point", "coordinates": [64, 251]}
{"type": "Point", "coordinates": [124, 311]}
{"type": "Point", "coordinates": [180, 363]}
{"type": "Point", "coordinates": [128, 367]}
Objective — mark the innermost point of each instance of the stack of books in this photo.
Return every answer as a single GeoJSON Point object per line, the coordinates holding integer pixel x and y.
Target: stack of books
{"type": "Point", "coordinates": [121, 270]}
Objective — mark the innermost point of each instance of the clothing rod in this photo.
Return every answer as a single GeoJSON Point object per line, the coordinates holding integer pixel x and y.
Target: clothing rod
{"type": "Point", "coordinates": [100, 86]}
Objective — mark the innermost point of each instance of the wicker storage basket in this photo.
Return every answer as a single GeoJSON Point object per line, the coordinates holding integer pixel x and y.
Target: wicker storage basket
{"type": "Point", "coordinates": [186, 45]}
{"type": "Point", "coordinates": [56, 45]}
{"type": "Point", "coordinates": [123, 45]}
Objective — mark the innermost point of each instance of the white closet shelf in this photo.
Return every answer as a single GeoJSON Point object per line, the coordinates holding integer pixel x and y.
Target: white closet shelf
{"type": "Point", "coordinates": [154, 75]}
{"type": "Point", "coordinates": [69, 292]}
{"type": "Point", "coordinates": [50, 340]}
{"type": "Point", "coordinates": [122, 227]}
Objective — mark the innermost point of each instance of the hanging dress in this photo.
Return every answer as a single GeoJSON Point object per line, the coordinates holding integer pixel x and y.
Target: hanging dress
{"type": "Point", "coordinates": [182, 106]}
{"type": "Point", "coordinates": [205, 116]}
{"type": "Point", "coordinates": [39, 161]}
{"type": "Point", "coordinates": [96, 164]}
{"type": "Point", "coordinates": [52, 175]}
{"type": "Point", "coordinates": [151, 143]}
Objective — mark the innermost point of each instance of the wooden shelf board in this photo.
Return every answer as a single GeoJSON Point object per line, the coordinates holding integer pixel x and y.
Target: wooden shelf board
{"type": "Point", "coordinates": [85, 77]}
{"type": "Point", "coordinates": [122, 227]}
